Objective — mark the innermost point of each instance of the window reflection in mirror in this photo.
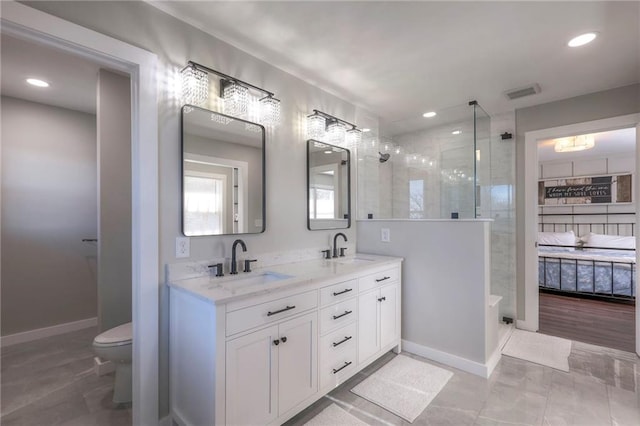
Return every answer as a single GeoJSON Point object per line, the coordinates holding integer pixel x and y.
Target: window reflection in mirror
{"type": "Point", "coordinates": [328, 186]}
{"type": "Point", "coordinates": [222, 174]}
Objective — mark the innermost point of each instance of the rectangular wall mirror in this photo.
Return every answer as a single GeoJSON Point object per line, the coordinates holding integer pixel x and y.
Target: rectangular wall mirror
{"type": "Point", "coordinates": [328, 186]}
{"type": "Point", "coordinates": [223, 174]}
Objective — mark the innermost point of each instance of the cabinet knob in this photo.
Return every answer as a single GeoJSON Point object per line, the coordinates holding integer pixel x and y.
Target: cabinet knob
{"type": "Point", "coordinates": [284, 339]}
{"type": "Point", "coordinates": [382, 299]}
{"type": "Point", "coordinates": [276, 342]}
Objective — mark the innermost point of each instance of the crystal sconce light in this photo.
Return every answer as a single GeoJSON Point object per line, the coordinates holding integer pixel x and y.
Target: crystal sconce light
{"type": "Point", "coordinates": [237, 94]}
{"type": "Point", "coordinates": [195, 85]}
{"type": "Point", "coordinates": [327, 128]}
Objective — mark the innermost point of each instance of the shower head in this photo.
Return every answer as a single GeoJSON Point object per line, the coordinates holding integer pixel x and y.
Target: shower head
{"type": "Point", "coordinates": [384, 157]}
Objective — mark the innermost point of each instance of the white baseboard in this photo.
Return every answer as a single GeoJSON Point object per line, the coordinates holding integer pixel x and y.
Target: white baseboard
{"type": "Point", "coordinates": [528, 326]}
{"type": "Point", "coordinates": [40, 333]}
{"type": "Point", "coordinates": [473, 367]}
{"type": "Point", "coordinates": [165, 421]}
{"type": "Point", "coordinates": [494, 359]}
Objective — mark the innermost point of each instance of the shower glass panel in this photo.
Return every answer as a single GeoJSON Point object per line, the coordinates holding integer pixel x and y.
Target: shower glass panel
{"type": "Point", "coordinates": [427, 168]}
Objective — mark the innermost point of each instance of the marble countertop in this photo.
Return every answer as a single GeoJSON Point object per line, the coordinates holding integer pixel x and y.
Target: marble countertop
{"type": "Point", "coordinates": [221, 290]}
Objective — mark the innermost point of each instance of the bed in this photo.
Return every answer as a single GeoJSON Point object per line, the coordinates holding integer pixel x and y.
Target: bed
{"type": "Point", "coordinates": [594, 264]}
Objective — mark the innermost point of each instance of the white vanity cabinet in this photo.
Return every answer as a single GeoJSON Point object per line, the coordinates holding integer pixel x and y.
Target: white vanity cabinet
{"type": "Point", "coordinates": [260, 358]}
{"type": "Point", "coordinates": [378, 313]}
{"type": "Point", "coordinates": [270, 371]}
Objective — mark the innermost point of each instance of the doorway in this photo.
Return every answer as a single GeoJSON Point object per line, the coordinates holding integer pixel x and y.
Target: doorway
{"type": "Point", "coordinates": [531, 291]}
{"type": "Point", "coordinates": [23, 22]}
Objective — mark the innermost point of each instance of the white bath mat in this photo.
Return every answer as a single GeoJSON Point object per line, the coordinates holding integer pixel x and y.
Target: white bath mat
{"type": "Point", "coordinates": [334, 415]}
{"type": "Point", "coordinates": [539, 348]}
{"type": "Point", "coordinates": [404, 386]}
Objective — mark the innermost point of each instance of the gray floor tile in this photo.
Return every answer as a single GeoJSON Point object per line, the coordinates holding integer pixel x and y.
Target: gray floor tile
{"type": "Point", "coordinates": [625, 407]}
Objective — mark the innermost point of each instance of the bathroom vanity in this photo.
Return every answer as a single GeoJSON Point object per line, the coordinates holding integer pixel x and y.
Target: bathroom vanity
{"type": "Point", "coordinates": [257, 348]}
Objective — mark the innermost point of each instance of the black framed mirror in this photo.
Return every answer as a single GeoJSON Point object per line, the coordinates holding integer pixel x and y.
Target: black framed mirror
{"type": "Point", "coordinates": [328, 186]}
{"type": "Point", "coordinates": [223, 174]}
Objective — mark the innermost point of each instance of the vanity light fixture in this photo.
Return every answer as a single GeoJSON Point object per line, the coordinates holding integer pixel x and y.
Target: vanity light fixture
{"type": "Point", "coordinates": [236, 98]}
{"type": "Point", "coordinates": [316, 126]}
{"type": "Point", "coordinates": [326, 127]}
{"type": "Point", "coordinates": [574, 143]}
{"type": "Point", "coordinates": [195, 85]}
{"type": "Point", "coordinates": [37, 82]}
{"type": "Point", "coordinates": [354, 137]}
{"type": "Point", "coordinates": [235, 93]}
{"type": "Point", "coordinates": [336, 133]}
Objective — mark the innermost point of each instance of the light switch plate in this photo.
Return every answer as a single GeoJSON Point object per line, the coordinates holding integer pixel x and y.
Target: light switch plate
{"type": "Point", "coordinates": [182, 247]}
{"type": "Point", "coordinates": [385, 235]}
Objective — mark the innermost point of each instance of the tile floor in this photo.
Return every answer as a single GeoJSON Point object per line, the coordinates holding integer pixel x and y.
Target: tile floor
{"type": "Point", "coordinates": [601, 389]}
{"type": "Point", "coordinates": [51, 382]}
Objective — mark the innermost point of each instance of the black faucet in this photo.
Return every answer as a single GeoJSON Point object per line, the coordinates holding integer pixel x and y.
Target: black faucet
{"type": "Point", "coordinates": [335, 243]}
{"type": "Point", "coordinates": [234, 264]}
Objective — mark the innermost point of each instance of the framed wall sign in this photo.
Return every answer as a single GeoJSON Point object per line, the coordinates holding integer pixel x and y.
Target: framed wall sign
{"type": "Point", "coordinates": [609, 189]}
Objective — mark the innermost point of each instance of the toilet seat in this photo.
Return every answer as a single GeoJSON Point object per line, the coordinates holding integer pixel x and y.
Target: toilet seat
{"type": "Point", "coordinates": [117, 336]}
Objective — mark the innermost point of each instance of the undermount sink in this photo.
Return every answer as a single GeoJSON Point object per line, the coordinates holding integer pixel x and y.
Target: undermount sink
{"type": "Point", "coordinates": [354, 260]}
{"type": "Point", "coordinates": [255, 280]}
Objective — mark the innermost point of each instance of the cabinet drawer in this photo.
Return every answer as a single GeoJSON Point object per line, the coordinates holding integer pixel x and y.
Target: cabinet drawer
{"type": "Point", "coordinates": [380, 278]}
{"type": "Point", "coordinates": [337, 292]}
{"type": "Point", "coordinates": [337, 356]}
{"type": "Point", "coordinates": [266, 313]}
{"type": "Point", "coordinates": [338, 315]}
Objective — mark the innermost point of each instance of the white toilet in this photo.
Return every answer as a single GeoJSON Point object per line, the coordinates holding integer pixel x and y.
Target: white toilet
{"type": "Point", "coordinates": [115, 345]}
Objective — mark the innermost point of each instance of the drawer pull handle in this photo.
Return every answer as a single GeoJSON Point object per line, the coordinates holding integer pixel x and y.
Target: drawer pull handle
{"type": "Point", "coordinates": [382, 299]}
{"type": "Point", "coordinates": [346, 290]}
{"type": "Point", "coordinates": [288, 308]}
{"type": "Point", "coordinates": [382, 279]}
{"type": "Point", "coordinates": [335, 317]}
{"type": "Point", "coordinates": [346, 364]}
{"type": "Point", "coordinates": [346, 339]}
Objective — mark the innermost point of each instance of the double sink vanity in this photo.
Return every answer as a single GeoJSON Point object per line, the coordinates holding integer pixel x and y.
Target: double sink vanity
{"type": "Point", "coordinates": [257, 348]}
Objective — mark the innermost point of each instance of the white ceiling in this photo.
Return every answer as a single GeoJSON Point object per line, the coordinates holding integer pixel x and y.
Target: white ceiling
{"type": "Point", "coordinates": [396, 59]}
{"type": "Point", "coordinates": [72, 79]}
{"type": "Point", "coordinates": [615, 142]}
{"type": "Point", "coordinates": [400, 59]}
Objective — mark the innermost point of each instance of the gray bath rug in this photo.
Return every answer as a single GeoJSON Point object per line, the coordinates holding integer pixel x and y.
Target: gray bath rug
{"type": "Point", "coordinates": [539, 348]}
{"type": "Point", "coordinates": [404, 386]}
{"type": "Point", "coordinates": [334, 415]}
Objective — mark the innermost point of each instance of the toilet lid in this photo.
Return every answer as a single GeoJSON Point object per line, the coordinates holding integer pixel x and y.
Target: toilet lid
{"type": "Point", "coordinates": [117, 335]}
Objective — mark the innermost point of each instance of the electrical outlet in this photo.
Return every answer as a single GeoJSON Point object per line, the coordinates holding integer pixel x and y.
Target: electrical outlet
{"type": "Point", "coordinates": [385, 235]}
{"type": "Point", "coordinates": [182, 247]}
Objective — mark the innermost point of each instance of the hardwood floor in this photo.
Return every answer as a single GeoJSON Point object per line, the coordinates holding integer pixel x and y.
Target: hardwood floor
{"type": "Point", "coordinates": [591, 321]}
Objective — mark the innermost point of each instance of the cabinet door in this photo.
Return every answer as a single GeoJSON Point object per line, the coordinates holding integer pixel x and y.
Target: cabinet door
{"type": "Point", "coordinates": [389, 327]}
{"type": "Point", "coordinates": [297, 361]}
{"type": "Point", "coordinates": [250, 378]}
{"type": "Point", "coordinates": [368, 332]}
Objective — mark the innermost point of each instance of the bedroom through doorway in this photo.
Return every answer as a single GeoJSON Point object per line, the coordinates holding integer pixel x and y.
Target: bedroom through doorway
{"type": "Point", "coordinates": [586, 241]}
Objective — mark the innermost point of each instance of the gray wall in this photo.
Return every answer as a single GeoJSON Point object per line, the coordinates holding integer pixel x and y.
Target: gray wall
{"type": "Point", "coordinates": [594, 106]}
{"type": "Point", "coordinates": [175, 43]}
{"type": "Point", "coordinates": [114, 202]}
{"type": "Point", "coordinates": [48, 207]}
{"type": "Point", "coordinates": [444, 305]}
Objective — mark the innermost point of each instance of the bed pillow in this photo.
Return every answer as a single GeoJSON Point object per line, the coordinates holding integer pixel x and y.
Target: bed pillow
{"type": "Point", "coordinates": [608, 241]}
{"type": "Point", "coordinates": [557, 238]}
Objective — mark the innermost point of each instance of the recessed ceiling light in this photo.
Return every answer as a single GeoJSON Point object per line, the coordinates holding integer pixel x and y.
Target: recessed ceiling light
{"type": "Point", "coordinates": [429, 114]}
{"type": "Point", "coordinates": [456, 132]}
{"type": "Point", "coordinates": [38, 83]}
{"type": "Point", "coordinates": [582, 39]}
{"type": "Point", "coordinates": [328, 152]}
{"type": "Point", "coordinates": [365, 130]}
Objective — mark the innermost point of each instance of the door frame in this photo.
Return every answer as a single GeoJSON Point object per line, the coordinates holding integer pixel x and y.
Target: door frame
{"type": "Point", "coordinates": [531, 295]}
{"type": "Point", "coordinates": [24, 22]}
